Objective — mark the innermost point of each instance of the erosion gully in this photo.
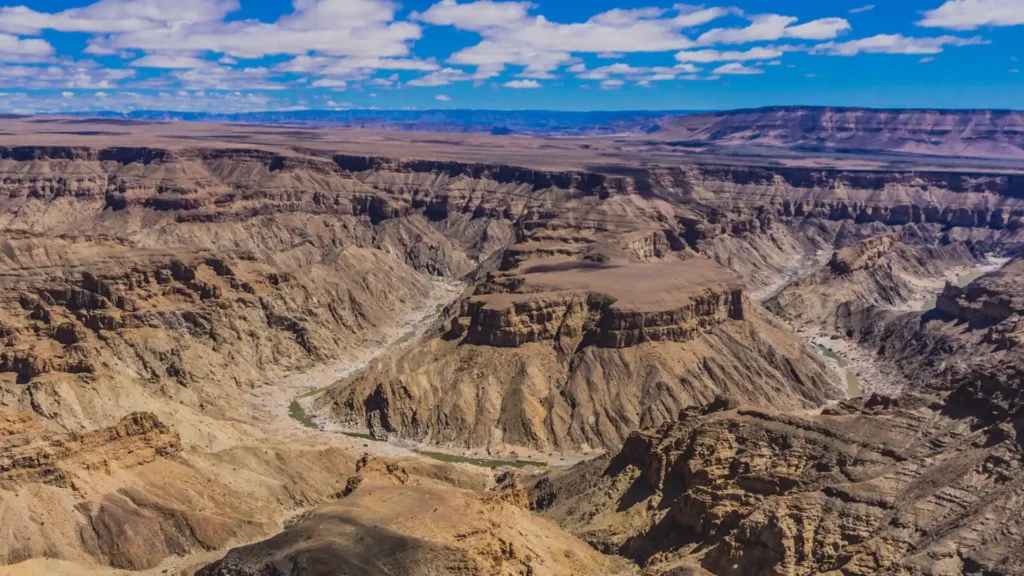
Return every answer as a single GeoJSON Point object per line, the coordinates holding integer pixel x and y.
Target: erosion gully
{"type": "Point", "coordinates": [858, 369]}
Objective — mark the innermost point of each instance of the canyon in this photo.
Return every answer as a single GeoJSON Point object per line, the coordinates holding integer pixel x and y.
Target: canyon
{"type": "Point", "coordinates": [162, 296]}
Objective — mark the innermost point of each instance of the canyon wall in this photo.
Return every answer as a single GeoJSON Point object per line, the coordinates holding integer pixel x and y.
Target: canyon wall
{"type": "Point", "coordinates": [184, 283]}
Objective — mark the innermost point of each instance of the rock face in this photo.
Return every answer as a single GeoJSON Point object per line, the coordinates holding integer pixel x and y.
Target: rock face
{"type": "Point", "coordinates": [182, 282]}
{"type": "Point", "coordinates": [887, 272]}
{"type": "Point", "coordinates": [27, 456]}
{"type": "Point", "coordinates": [927, 482]}
{"type": "Point", "coordinates": [989, 301]}
{"type": "Point", "coordinates": [864, 489]}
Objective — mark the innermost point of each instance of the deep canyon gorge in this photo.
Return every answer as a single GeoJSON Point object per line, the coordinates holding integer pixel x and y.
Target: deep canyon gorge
{"type": "Point", "coordinates": [168, 294]}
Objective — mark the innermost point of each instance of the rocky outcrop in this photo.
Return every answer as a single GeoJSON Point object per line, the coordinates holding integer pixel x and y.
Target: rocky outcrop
{"type": "Point", "coordinates": [863, 255]}
{"type": "Point", "coordinates": [591, 320]}
{"type": "Point", "coordinates": [871, 487]}
{"type": "Point", "coordinates": [29, 456]}
{"type": "Point", "coordinates": [987, 301]}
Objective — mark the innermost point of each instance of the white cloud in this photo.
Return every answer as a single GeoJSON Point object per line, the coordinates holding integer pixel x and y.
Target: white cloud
{"type": "Point", "coordinates": [612, 84]}
{"type": "Point", "coordinates": [14, 49]}
{"type": "Point", "coordinates": [474, 15]}
{"type": "Point", "coordinates": [361, 28]}
{"type": "Point", "coordinates": [170, 61]}
{"type": "Point", "coordinates": [442, 77]}
{"type": "Point", "coordinates": [522, 84]}
{"type": "Point", "coordinates": [443, 98]}
{"type": "Point", "coordinates": [330, 83]}
{"type": "Point", "coordinates": [124, 101]}
{"type": "Point", "coordinates": [736, 68]}
{"type": "Point", "coordinates": [115, 16]}
{"type": "Point", "coordinates": [926, 60]}
{"type": "Point", "coordinates": [861, 9]}
{"type": "Point", "coordinates": [708, 56]}
{"type": "Point", "coordinates": [349, 69]}
{"type": "Point", "coordinates": [769, 27]}
{"type": "Point", "coordinates": [82, 74]}
{"type": "Point", "coordinates": [893, 44]}
{"type": "Point", "coordinates": [224, 78]}
{"type": "Point", "coordinates": [645, 74]}
{"type": "Point", "coordinates": [973, 14]}
{"type": "Point", "coordinates": [510, 35]}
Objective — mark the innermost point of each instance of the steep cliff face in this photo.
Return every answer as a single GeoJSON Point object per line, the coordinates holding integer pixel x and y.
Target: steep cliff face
{"type": "Point", "coordinates": [925, 482]}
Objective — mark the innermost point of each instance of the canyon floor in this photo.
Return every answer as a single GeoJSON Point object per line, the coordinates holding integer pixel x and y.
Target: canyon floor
{"type": "Point", "coordinates": [236, 350]}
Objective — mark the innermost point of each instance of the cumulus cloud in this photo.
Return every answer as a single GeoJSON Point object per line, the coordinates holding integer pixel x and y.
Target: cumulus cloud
{"type": "Point", "coordinates": [522, 84]}
{"type": "Point", "coordinates": [126, 101]}
{"type": "Point", "coordinates": [365, 28]}
{"type": "Point", "coordinates": [113, 16]}
{"type": "Point", "coordinates": [770, 27]}
{"type": "Point", "coordinates": [170, 61]}
{"type": "Point", "coordinates": [736, 68]}
{"type": "Point", "coordinates": [225, 78]}
{"type": "Point", "coordinates": [511, 35]}
{"type": "Point", "coordinates": [352, 69]}
{"type": "Point", "coordinates": [894, 44]}
{"type": "Point", "coordinates": [331, 83]}
{"type": "Point", "coordinates": [84, 75]}
{"type": "Point", "coordinates": [14, 49]}
{"type": "Point", "coordinates": [443, 98]}
{"type": "Point", "coordinates": [442, 77]}
{"type": "Point", "coordinates": [201, 45]}
{"type": "Point", "coordinates": [640, 74]}
{"type": "Point", "coordinates": [708, 55]}
{"type": "Point", "coordinates": [974, 14]}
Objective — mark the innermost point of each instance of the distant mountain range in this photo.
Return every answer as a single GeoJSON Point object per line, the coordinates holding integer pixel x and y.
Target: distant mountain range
{"type": "Point", "coordinates": [964, 133]}
{"type": "Point", "coordinates": [502, 122]}
{"type": "Point", "coordinates": [947, 133]}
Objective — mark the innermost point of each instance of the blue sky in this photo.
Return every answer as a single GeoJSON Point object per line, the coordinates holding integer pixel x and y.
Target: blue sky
{"type": "Point", "coordinates": [247, 55]}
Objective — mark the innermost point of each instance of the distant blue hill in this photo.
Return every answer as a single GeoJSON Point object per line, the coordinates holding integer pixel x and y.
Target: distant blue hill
{"type": "Point", "coordinates": [475, 121]}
